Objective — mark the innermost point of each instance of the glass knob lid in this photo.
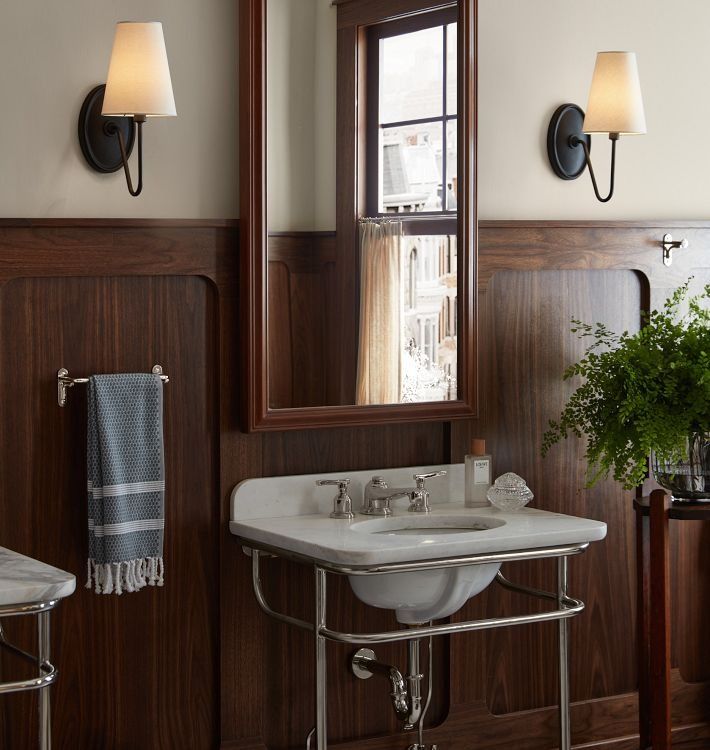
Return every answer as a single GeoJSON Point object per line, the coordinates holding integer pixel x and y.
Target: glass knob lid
{"type": "Point", "coordinates": [509, 492]}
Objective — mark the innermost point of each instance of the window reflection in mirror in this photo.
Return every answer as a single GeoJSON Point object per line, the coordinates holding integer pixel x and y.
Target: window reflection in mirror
{"type": "Point", "coordinates": [363, 303]}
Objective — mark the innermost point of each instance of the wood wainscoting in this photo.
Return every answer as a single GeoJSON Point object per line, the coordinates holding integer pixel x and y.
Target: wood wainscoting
{"type": "Point", "coordinates": [141, 670]}
{"type": "Point", "coordinates": [195, 665]}
{"type": "Point", "coordinates": [301, 299]}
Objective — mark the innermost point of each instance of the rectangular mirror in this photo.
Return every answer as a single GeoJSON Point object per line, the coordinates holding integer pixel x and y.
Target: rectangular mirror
{"type": "Point", "coordinates": [358, 226]}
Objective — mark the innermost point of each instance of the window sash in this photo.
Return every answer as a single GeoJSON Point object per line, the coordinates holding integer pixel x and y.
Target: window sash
{"type": "Point", "coordinates": [439, 18]}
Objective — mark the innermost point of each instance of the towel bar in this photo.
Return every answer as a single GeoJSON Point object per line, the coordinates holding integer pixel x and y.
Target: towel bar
{"type": "Point", "coordinates": [64, 381]}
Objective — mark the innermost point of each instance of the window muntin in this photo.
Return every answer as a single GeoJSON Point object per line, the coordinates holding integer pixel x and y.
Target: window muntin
{"type": "Point", "coordinates": [412, 133]}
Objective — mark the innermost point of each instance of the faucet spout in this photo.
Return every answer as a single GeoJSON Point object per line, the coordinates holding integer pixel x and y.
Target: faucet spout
{"type": "Point", "coordinates": [377, 497]}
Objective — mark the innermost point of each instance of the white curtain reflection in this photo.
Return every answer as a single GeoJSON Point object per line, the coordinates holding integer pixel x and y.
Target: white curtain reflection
{"type": "Point", "coordinates": [379, 377]}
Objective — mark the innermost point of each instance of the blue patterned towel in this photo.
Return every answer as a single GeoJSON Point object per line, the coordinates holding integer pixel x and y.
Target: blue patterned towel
{"type": "Point", "coordinates": [126, 482]}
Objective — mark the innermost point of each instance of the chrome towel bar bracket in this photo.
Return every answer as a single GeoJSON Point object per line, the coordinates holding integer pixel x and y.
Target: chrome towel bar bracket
{"type": "Point", "coordinates": [64, 382]}
{"type": "Point", "coordinates": [669, 245]}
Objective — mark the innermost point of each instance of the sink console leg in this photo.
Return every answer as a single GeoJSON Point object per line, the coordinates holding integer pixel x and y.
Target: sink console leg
{"type": "Point", "coordinates": [45, 731]}
{"type": "Point", "coordinates": [563, 635]}
{"type": "Point", "coordinates": [321, 663]}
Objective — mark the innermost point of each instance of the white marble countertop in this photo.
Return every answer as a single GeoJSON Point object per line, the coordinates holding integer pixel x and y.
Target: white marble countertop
{"type": "Point", "coordinates": [291, 514]}
{"type": "Point", "coordinates": [347, 542]}
{"type": "Point", "coordinates": [24, 580]}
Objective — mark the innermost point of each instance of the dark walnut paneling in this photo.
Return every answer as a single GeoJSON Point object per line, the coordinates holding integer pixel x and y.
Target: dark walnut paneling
{"type": "Point", "coordinates": [140, 670]}
{"type": "Point", "coordinates": [195, 665]}
{"type": "Point", "coordinates": [301, 327]}
{"type": "Point", "coordinates": [151, 654]}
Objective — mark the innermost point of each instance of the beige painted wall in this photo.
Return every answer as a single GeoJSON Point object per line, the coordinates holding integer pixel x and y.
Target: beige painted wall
{"type": "Point", "coordinates": [53, 53]}
{"type": "Point", "coordinates": [301, 108]}
{"type": "Point", "coordinates": [534, 55]}
{"type": "Point", "coordinates": [537, 54]}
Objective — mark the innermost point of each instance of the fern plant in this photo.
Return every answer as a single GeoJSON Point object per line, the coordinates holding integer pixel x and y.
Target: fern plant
{"type": "Point", "coordinates": [642, 392]}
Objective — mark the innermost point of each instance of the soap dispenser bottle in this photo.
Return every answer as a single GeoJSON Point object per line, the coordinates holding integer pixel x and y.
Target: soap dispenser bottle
{"type": "Point", "coordinates": [479, 475]}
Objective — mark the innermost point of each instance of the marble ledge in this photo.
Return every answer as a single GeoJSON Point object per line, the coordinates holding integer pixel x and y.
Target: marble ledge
{"type": "Point", "coordinates": [24, 580]}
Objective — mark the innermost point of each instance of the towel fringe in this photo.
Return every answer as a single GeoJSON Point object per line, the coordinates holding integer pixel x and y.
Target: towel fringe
{"type": "Point", "coordinates": [129, 575]}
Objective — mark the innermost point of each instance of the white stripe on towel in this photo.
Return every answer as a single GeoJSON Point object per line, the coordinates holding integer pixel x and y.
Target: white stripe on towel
{"type": "Point", "coordinates": [111, 529]}
{"type": "Point", "coordinates": [114, 490]}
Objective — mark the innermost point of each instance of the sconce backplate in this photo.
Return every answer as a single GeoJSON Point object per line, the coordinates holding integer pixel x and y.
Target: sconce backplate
{"type": "Point", "coordinates": [100, 148]}
{"type": "Point", "coordinates": [567, 161]}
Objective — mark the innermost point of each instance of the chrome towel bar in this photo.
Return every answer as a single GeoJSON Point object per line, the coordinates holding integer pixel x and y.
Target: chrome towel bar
{"type": "Point", "coordinates": [64, 382]}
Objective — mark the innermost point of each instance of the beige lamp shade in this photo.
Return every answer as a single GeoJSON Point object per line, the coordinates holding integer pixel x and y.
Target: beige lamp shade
{"type": "Point", "coordinates": [138, 81]}
{"type": "Point", "coordinates": [615, 102]}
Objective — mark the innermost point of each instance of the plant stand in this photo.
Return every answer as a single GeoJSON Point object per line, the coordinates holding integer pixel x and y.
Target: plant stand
{"type": "Point", "coordinates": [654, 612]}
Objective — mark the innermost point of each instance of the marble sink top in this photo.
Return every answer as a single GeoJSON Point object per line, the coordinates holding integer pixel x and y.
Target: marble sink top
{"type": "Point", "coordinates": [343, 542]}
{"type": "Point", "coordinates": [24, 580]}
{"type": "Point", "coordinates": [291, 514]}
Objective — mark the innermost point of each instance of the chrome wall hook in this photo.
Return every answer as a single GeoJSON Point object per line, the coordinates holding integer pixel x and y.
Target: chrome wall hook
{"type": "Point", "coordinates": [669, 245]}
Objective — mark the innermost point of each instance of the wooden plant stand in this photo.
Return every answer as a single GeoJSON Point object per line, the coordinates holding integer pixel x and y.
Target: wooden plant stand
{"type": "Point", "coordinates": [654, 612]}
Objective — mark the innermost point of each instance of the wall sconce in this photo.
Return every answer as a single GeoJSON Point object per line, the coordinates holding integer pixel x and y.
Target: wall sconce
{"type": "Point", "coordinates": [615, 107]}
{"type": "Point", "coordinates": [138, 86]}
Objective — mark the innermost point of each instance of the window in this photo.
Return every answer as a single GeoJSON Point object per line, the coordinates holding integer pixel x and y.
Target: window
{"type": "Point", "coordinates": [410, 169]}
{"type": "Point", "coordinates": [412, 116]}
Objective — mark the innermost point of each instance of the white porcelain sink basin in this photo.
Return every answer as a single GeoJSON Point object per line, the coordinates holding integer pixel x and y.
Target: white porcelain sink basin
{"type": "Point", "coordinates": [290, 514]}
{"type": "Point", "coordinates": [427, 594]}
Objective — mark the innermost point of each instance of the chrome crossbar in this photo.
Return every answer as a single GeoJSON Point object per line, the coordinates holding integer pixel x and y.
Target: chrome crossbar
{"type": "Point", "coordinates": [47, 677]}
{"type": "Point", "coordinates": [31, 608]}
{"type": "Point", "coordinates": [47, 671]}
{"type": "Point", "coordinates": [536, 553]}
{"type": "Point", "coordinates": [567, 607]}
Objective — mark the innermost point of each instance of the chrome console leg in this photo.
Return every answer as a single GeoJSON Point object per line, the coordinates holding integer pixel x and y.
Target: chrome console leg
{"type": "Point", "coordinates": [321, 663]}
{"type": "Point", "coordinates": [45, 726]}
{"type": "Point", "coordinates": [565, 733]}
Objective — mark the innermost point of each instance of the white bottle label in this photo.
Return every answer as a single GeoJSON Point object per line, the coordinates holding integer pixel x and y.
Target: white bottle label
{"type": "Point", "coordinates": [482, 472]}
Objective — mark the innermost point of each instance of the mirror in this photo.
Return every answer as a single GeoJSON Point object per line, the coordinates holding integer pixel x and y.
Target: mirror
{"type": "Point", "coordinates": [358, 211]}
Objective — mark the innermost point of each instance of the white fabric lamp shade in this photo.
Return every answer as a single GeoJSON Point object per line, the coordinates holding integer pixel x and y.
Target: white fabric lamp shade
{"type": "Point", "coordinates": [615, 101]}
{"type": "Point", "coordinates": [138, 81]}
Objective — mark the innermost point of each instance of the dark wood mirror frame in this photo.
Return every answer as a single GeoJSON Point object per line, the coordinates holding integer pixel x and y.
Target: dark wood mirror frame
{"type": "Point", "coordinates": [256, 414]}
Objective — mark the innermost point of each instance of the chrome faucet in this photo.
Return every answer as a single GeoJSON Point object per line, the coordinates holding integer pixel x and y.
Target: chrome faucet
{"type": "Point", "coordinates": [377, 495]}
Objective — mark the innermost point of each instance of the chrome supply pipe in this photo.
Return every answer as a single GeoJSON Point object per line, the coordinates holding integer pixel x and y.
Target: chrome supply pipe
{"type": "Point", "coordinates": [430, 679]}
{"type": "Point", "coordinates": [414, 681]}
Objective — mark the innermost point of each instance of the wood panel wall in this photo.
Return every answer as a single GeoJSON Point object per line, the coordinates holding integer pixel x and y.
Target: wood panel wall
{"type": "Point", "coordinates": [195, 665]}
{"type": "Point", "coordinates": [301, 300]}
{"type": "Point", "coordinates": [140, 670]}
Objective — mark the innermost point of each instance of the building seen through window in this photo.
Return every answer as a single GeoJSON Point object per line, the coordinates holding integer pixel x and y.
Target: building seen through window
{"type": "Point", "coordinates": [412, 168]}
